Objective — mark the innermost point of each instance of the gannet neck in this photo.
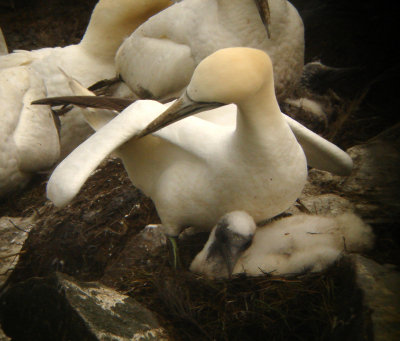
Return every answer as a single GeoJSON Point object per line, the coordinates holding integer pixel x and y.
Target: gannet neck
{"type": "Point", "coordinates": [113, 20]}
{"type": "Point", "coordinates": [260, 111]}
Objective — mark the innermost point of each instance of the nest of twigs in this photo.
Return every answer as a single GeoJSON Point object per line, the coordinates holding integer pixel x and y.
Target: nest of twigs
{"type": "Point", "coordinates": [95, 238]}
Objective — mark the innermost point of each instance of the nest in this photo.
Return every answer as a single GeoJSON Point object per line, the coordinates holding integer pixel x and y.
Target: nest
{"type": "Point", "coordinates": [96, 238]}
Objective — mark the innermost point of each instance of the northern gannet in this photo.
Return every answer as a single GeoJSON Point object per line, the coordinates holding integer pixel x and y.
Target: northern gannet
{"type": "Point", "coordinates": [28, 135]}
{"type": "Point", "coordinates": [195, 170]}
{"type": "Point", "coordinates": [158, 59]}
{"type": "Point", "coordinates": [287, 246]}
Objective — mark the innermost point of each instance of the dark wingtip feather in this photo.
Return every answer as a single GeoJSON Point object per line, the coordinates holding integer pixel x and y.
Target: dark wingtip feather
{"type": "Point", "coordinates": [110, 103]}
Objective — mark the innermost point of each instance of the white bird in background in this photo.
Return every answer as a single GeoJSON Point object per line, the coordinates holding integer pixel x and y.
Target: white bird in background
{"type": "Point", "coordinates": [29, 138]}
{"type": "Point", "coordinates": [157, 61]}
{"type": "Point", "coordinates": [287, 246]}
{"type": "Point", "coordinates": [195, 170]}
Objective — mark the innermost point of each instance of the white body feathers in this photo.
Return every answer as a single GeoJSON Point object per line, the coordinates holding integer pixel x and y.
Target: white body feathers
{"type": "Point", "coordinates": [288, 246]}
{"type": "Point", "coordinates": [158, 59]}
{"type": "Point", "coordinates": [35, 74]}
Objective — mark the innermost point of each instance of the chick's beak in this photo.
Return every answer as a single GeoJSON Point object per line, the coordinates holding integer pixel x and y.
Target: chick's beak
{"type": "Point", "coordinates": [183, 107]}
{"type": "Point", "coordinates": [228, 258]}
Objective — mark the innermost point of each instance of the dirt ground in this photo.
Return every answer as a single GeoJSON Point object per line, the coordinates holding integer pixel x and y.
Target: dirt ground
{"type": "Point", "coordinates": [94, 237]}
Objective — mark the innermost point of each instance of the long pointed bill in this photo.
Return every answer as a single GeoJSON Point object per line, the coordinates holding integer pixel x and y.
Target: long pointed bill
{"type": "Point", "coordinates": [182, 108]}
{"type": "Point", "coordinates": [263, 10]}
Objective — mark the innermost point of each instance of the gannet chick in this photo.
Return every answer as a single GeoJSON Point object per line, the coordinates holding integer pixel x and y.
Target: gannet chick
{"type": "Point", "coordinates": [158, 59]}
{"type": "Point", "coordinates": [29, 139]}
{"type": "Point", "coordinates": [288, 246]}
{"type": "Point", "coordinates": [195, 170]}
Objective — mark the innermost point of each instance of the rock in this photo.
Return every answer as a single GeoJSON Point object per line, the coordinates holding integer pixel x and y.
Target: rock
{"type": "Point", "coordinates": [151, 238]}
{"type": "Point", "coordinates": [13, 232]}
{"type": "Point", "coordinates": [138, 252]}
{"type": "Point", "coordinates": [381, 294]}
{"type": "Point", "coordinates": [374, 184]}
{"type": "Point", "coordinates": [60, 308]}
{"type": "Point", "coordinates": [375, 180]}
{"type": "Point", "coordinates": [327, 204]}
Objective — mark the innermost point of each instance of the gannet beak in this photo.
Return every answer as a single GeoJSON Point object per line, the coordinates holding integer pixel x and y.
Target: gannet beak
{"type": "Point", "coordinates": [228, 257]}
{"type": "Point", "coordinates": [229, 244]}
{"type": "Point", "coordinates": [263, 10]}
{"type": "Point", "coordinates": [182, 108]}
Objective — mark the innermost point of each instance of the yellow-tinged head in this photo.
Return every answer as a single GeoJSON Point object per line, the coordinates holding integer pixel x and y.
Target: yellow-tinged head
{"type": "Point", "coordinates": [231, 75]}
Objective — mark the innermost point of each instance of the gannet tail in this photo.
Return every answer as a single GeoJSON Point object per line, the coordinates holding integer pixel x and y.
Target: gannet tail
{"type": "Point", "coordinates": [321, 153]}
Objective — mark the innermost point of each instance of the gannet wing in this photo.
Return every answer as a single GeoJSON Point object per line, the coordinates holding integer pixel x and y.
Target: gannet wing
{"type": "Point", "coordinates": [321, 153]}
{"type": "Point", "coordinates": [265, 15]}
{"type": "Point", "coordinates": [73, 171]}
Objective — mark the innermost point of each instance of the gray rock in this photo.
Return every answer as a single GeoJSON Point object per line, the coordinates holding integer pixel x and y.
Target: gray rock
{"type": "Point", "coordinates": [374, 184]}
{"type": "Point", "coordinates": [151, 238]}
{"type": "Point", "coordinates": [381, 294]}
{"type": "Point", "coordinates": [13, 232]}
{"type": "Point", "coordinates": [326, 204]}
{"type": "Point", "coordinates": [375, 180]}
{"type": "Point", "coordinates": [61, 308]}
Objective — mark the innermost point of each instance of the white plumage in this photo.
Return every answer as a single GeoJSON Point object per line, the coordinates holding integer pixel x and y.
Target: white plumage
{"type": "Point", "coordinates": [194, 170]}
{"type": "Point", "coordinates": [28, 134]}
{"type": "Point", "coordinates": [158, 59]}
{"type": "Point", "coordinates": [287, 246]}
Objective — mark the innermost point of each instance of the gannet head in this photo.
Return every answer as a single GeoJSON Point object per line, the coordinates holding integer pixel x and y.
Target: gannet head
{"type": "Point", "coordinates": [232, 235]}
{"type": "Point", "coordinates": [231, 75]}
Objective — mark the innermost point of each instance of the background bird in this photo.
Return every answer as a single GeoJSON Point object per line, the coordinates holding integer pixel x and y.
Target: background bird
{"type": "Point", "coordinates": [158, 59]}
{"type": "Point", "coordinates": [28, 134]}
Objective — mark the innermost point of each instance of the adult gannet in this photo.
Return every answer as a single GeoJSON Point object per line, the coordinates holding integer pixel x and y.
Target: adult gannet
{"type": "Point", "coordinates": [287, 246]}
{"type": "Point", "coordinates": [195, 170]}
{"type": "Point", "coordinates": [28, 134]}
{"type": "Point", "coordinates": [158, 59]}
